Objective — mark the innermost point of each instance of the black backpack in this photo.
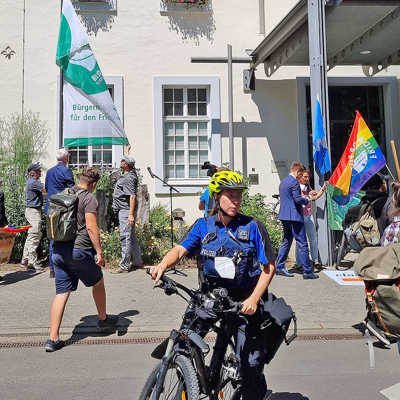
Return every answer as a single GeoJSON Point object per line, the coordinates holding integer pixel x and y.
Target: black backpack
{"type": "Point", "coordinates": [61, 218]}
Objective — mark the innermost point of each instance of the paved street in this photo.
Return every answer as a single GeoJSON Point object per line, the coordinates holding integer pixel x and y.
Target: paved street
{"type": "Point", "coordinates": [321, 306]}
{"type": "Point", "coordinates": [91, 369]}
{"type": "Point", "coordinates": [307, 370]}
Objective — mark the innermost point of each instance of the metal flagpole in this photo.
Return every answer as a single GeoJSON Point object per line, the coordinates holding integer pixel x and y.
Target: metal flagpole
{"type": "Point", "coordinates": [61, 105]}
{"type": "Point", "coordinates": [230, 104]}
{"type": "Point", "coordinates": [319, 90]}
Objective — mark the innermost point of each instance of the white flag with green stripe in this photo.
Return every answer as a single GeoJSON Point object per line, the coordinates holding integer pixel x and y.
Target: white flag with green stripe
{"type": "Point", "coordinates": [90, 117]}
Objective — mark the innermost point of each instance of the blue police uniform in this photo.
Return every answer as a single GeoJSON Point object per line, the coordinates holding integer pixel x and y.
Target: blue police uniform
{"type": "Point", "coordinates": [245, 240]}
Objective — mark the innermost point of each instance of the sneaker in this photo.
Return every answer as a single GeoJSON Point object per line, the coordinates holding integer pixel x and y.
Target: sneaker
{"type": "Point", "coordinates": [318, 266]}
{"type": "Point", "coordinates": [38, 268]}
{"type": "Point", "coordinates": [52, 345]}
{"type": "Point", "coordinates": [284, 272]}
{"type": "Point", "coordinates": [109, 323]}
{"type": "Point", "coordinates": [120, 270]}
{"type": "Point", "coordinates": [51, 274]}
{"type": "Point", "coordinates": [310, 275]}
{"type": "Point", "coordinates": [31, 268]}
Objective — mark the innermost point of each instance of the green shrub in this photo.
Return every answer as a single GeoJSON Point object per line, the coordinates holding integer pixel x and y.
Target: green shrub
{"type": "Point", "coordinates": [111, 246]}
{"type": "Point", "coordinates": [23, 140]}
{"type": "Point", "coordinates": [254, 206]}
{"type": "Point", "coordinates": [155, 237]}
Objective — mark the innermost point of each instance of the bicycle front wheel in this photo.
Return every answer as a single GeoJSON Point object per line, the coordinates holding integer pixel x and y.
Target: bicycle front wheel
{"type": "Point", "coordinates": [228, 385]}
{"type": "Point", "coordinates": [180, 382]}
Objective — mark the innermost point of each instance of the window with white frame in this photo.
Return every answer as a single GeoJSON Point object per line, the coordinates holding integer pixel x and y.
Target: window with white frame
{"type": "Point", "coordinates": [186, 131]}
{"type": "Point", "coordinates": [100, 156]}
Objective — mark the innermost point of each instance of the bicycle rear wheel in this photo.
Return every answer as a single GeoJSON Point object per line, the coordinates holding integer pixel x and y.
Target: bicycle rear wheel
{"type": "Point", "coordinates": [180, 382]}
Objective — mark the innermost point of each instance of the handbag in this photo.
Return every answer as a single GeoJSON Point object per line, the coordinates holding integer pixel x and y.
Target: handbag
{"type": "Point", "coordinates": [277, 316]}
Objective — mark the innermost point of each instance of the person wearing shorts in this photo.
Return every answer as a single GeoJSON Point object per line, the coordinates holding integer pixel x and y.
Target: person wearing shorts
{"type": "Point", "coordinates": [75, 261]}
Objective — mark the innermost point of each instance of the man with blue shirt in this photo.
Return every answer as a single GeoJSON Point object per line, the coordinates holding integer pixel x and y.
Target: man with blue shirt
{"type": "Point", "coordinates": [58, 178]}
{"type": "Point", "coordinates": [33, 214]}
{"type": "Point", "coordinates": [291, 216]}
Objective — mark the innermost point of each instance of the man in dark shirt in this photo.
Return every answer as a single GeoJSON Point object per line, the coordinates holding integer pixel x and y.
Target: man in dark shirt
{"type": "Point", "coordinates": [58, 178]}
{"type": "Point", "coordinates": [3, 217]}
{"type": "Point", "coordinates": [74, 261]}
{"type": "Point", "coordinates": [33, 214]}
{"type": "Point", "coordinates": [124, 203]}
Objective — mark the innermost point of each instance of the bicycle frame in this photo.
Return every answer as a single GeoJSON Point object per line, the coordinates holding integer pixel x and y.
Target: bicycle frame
{"type": "Point", "coordinates": [188, 342]}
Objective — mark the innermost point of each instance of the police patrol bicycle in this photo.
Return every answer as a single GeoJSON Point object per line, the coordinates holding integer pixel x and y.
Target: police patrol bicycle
{"type": "Point", "coordinates": [236, 256]}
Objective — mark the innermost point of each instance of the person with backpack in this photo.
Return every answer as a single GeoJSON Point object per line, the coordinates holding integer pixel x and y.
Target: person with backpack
{"type": "Point", "coordinates": [57, 179]}
{"type": "Point", "coordinates": [74, 259]}
{"type": "Point", "coordinates": [33, 214]}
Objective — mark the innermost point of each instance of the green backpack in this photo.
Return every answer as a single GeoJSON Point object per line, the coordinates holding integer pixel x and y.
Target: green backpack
{"type": "Point", "coordinates": [61, 218]}
{"type": "Point", "coordinates": [365, 230]}
{"type": "Point", "coordinates": [379, 267]}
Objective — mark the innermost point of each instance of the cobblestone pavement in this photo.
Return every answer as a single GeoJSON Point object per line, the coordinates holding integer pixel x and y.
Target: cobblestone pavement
{"type": "Point", "coordinates": [322, 306]}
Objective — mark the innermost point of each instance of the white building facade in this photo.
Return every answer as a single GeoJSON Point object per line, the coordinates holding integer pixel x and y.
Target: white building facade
{"type": "Point", "coordinates": [175, 113]}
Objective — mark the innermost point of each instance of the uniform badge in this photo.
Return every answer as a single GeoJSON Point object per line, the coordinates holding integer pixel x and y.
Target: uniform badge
{"type": "Point", "coordinates": [243, 235]}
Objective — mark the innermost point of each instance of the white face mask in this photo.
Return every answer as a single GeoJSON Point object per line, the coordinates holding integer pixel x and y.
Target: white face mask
{"type": "Point", "coordinates": [225, 267]}
{"type": "Point", "coordinates": [303, 187]}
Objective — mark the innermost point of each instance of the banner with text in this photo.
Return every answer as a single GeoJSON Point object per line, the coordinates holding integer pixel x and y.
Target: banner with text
{"type": "Point", "coordinates": [84, 122]}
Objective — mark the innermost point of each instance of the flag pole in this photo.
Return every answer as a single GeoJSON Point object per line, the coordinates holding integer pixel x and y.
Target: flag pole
{"type": "Point", "coordinates": [396, 160]}
{"type": "Point", "coordinates": [61, 105]}
{"type": "Point", "coordinates": [390, 172]}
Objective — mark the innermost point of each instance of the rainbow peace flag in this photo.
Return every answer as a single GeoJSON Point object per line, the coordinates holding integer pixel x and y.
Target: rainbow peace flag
{"type": "Point", "coordinates": [361, 159]}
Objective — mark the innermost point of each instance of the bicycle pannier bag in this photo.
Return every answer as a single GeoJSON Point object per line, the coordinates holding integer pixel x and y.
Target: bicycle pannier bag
{"type": "Point", "coordinates": [365, 231]}
{"type": "Point", "coordinates": [278, 316]}
{"type": "Point", "coordinates": [380, 270]}
{"type": "Point", "coordinates": [61, 219]}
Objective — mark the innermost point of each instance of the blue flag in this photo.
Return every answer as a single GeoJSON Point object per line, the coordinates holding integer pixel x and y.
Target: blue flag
{"type": "Point", "coordinates": [320, 146]}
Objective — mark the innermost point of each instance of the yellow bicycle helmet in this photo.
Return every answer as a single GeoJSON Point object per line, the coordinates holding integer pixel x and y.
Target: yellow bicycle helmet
{"type": "Point", "coordinates": [225, 180]}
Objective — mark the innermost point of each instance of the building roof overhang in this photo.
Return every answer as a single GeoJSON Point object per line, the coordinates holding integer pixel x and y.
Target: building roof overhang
{"type": "Point", "coordinates": [358, 32]}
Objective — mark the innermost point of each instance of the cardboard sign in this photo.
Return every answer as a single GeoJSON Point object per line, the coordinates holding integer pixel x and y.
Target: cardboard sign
{"type": "Point", "coordinates": [345, 278]}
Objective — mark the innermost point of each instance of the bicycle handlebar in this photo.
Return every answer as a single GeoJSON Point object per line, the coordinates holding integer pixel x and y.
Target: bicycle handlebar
{"type": "Point", "coordinates": [217, 295]}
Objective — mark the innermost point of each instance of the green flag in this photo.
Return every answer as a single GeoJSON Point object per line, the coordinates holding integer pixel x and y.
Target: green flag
{"type": "Point", "coordinates": [90, 117]}
{"type": "Point", "coordinates": [337, 212]}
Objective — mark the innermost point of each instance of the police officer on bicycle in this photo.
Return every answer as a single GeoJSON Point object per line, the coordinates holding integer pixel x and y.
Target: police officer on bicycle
{"type": "Point", "coordinates": [236, 254]}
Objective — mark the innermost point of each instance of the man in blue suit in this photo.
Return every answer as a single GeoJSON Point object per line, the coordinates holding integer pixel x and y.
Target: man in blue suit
{"type": "Point", "coordinates": [58, 178]}
{"type": "Point", "coordinates": [291, 216]}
